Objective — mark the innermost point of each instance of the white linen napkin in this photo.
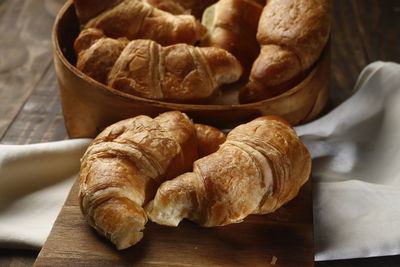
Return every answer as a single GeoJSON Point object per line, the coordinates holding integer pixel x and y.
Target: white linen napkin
{"type": "Point", "coordinates": [356, 175]}
{"type": "Point", "coordinates": [34, 183]}
{"type": "Point", "coordinates": [356, 169]}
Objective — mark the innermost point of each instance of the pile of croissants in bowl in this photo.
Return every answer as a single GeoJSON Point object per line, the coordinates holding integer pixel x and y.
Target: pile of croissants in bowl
{"type": "Point", "coordinates": [188, 51]}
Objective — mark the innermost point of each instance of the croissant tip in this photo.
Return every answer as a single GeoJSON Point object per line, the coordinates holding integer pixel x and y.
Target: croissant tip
{"type": "Point", "coordinates": [132, 233]}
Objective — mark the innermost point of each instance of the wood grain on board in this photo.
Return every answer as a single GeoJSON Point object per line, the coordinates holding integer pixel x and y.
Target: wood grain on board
{"type": "Point", "coordinates": [284, 237]}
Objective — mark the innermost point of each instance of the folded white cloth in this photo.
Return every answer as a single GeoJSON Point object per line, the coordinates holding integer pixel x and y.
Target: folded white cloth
{"type": "Point", "coordinates": [34, 183]}
{"type": "Point", "coordinates": [356, 171]}
{"type": "Point", "coordinates": [356, 175]}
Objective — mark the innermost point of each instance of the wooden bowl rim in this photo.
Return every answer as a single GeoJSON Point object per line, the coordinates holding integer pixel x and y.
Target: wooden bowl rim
{"type": "Point", "coordinates": [176, 106]}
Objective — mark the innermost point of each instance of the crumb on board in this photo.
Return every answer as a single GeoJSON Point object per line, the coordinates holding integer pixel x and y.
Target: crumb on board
{"type": "Point", "coordinates": [274, 260]}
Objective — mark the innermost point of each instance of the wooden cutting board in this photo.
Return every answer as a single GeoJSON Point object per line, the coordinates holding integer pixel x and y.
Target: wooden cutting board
{"type": "Point", "coordinates": [284, 238]}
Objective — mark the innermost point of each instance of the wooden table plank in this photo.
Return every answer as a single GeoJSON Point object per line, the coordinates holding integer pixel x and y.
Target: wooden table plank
{"type": "Point", "coordinates": [40, 118]}
{"type": "Point", "coordinates": [363, 31]}
{"type": "Point", "coordinates": [285, 236]}
{"type": "Point", "coordinates": [379, 22]}
{"type": "Point", "coordinates": [348, 53]}
{"type": "Point", "coordinates": [26, 52]}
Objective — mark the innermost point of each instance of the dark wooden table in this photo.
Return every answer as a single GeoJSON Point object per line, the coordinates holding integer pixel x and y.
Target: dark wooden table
{"type": "Point", "coordinates": [363, 31]}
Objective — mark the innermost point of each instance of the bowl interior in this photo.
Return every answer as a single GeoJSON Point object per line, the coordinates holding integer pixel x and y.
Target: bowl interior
{"type": "Point", "coordinates": [67, 20]}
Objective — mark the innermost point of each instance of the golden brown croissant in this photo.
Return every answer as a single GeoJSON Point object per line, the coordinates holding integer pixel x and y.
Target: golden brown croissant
{"type": "Point", "coordinates": [292, 35]}
{"type": "Point", "coordinates": [232, 25]}
{"type": "Point", "coordinates": [135, 19]}
{"type": "Point", "coordinates": [260, 167]}
{"type": "Point", "coordinates": [176, 73]}
{"type": "Point", "coordinates": [194, 7]}
{"type": "Point", "coordinates": [124, 165]}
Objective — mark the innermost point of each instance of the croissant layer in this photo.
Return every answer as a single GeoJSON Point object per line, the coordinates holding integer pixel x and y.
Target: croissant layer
{"type": "Point", "coordinates": [135, 19]}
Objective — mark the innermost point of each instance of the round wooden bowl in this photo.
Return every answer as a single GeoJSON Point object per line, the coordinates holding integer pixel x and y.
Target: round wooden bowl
{"type": "Point", "coordinates": [89, 106]}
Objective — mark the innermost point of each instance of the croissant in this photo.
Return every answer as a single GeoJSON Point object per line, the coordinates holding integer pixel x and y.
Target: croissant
{"type": "Point", "coordinates": [124, 165]}
{"type": "Point", "coordinates": [292, 35]}
{"type": "Point", "coordinates": [261, 166]}
{"type": "Point", "coordinates": [232, 25]}
{"type": "Point", "coordinates": [176, 73]}
{"type": "Point", "coordinates": [136, 19]}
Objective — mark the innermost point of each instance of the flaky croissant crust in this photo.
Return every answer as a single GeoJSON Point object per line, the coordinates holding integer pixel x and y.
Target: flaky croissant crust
{"type": "Point", "coordinates": [122, 168]}
{"type": "Point", "coordinates": [261, 166]}
{"type": "Point", "coordinates": [144, 68]}
{"type": "Point", "coordinates": [135, 19]}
